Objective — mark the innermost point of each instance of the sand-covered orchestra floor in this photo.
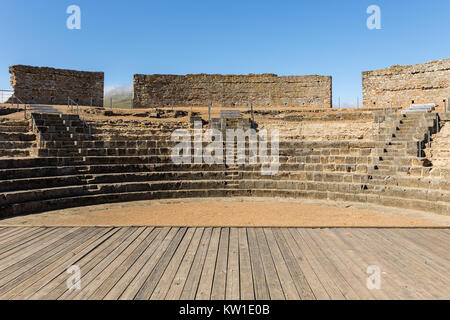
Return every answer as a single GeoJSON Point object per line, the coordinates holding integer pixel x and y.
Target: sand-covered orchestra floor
{"type": "Point", "coordinates": [232, 212]}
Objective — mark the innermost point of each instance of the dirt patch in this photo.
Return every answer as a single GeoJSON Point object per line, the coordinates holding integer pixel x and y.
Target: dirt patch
{"type": "Point", "coordinates": [221, 212]}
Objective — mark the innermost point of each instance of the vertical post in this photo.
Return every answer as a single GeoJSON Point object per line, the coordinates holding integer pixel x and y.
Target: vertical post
{"type": "Point", "coordinates": [419, 149]}
{"type": "Point", "coordinates": [438, 129]}
{"type": "Point", "coordinates": [110, 102]}
{"type": "Point", "coordinates": [253, 114]}
{"type": "Point", "coordinates": [209, 114]}
{"type": "Point", "coordinates": [391, 107]}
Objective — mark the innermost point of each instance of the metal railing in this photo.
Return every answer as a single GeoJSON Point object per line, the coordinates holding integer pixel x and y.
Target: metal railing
{"type": "Point", "coordinates": [19, 101]}
{"type": "Point", "coordinates": [71, 104]}
{"type": "Point", "coordinates": [5, 95]}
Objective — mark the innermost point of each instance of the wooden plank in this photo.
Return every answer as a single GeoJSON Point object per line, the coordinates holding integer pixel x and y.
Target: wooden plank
{"type": "Point", "coordinates": [105, 287]}
{"type": "Point", "coordinates": [405, 261]}
{"type": "Point", "coordinates": [136, 274]}
{"type": "Point", "coordinates": [26, 289]}
{"type": "Point", "coordinates": [190, 287]}
{"type": "Point", "coordinates": [327, 281]}
{"type": "Point", "coordinates": [181, 259]}
{"type": "Point", "coordinates": [411, 259]}
{"type": "Point", "coordinates": [14, 234]}
{"type": "Point", "coordinates": [283, 253]}
{"type": "Point", "coordinates": [334, 254]}
{"type": "Point", "coordinates": [206, 279]}
{"type": "Point", "coordinates": [284, 236]}
{"type": "Point", "coordinates": [180, 279]}
{"type": "Point", "coordinates": [286, 280]}
{"type": "Point", "coordinates": [393, 285]}
{"type": "Point", "coordinates": [272, 279]}
{"type": "Point", "coordinates": [5, 233]}
{"type": "Point", "coordinates": [437, 249]}
{"type": "Point", "coordinates": [150, 283]}
{"type": "Point", "coordinates": [232, 291]}
{"type": "Point", "coordinates": [21, 239]}
{"type": "Point", "coordinates": [27, 247]}
{"type": "Point", "coordinates": [56, 287]}
{"type": "Point", "coordinates": [329, 267]}
{"type": "Point", "coordinates": [354, 260]}
{"type": "Point", "coordinates": [247, 291]}
{"type": "Point", "coordinates": [146, 270]}
{"type": "Point", "coordinates": [220, 274]}
{"type": "Point", "coordinates": [23, 259]}
{"type": "Point", "coordinates": [27, 273]}
{"type": "Point", "coordinates": [100, 261]}
{"type": "Point", "coordinates": [97, 263]}
{"type": "Point", "coordinates": [259, 278]}
{"type": "Point", "coordinates": [106, 267]}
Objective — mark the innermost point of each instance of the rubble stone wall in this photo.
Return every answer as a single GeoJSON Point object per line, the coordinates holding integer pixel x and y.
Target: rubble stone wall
{"type": "Point", "coordinates": [422, 83]}
{"type": "Point", "coordinates": [36, 85]}
{"type": "Point", "coordinates": [232, 90]}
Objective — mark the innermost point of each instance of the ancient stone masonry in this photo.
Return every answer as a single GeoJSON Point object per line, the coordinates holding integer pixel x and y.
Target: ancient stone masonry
{"type": "Point", "coordinates": [232, 90]}
{"type": "Point", "coordinates": [36, 85]}
{"type": "Point", "coordinates": [422, 83]}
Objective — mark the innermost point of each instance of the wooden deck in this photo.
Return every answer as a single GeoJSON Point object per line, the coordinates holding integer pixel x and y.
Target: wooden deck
{"type": "Point", "coordinates": [224, 263]}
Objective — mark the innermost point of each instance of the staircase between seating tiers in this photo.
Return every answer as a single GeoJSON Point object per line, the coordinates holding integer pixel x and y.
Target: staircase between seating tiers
{"type": "Point", "coordinates": [59, 133]}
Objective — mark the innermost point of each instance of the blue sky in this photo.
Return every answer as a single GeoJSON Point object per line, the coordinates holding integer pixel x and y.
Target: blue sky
{"type": "Point", "coordinates": [322, 37]}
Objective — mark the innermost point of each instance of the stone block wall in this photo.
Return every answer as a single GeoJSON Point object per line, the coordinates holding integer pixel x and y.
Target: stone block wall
{"type": "Point", "coordinates": [36, 85]}
{"type": "Point", "coordinates": [232, 90]}
{"type": "Point", "coordinates": [422, 83]}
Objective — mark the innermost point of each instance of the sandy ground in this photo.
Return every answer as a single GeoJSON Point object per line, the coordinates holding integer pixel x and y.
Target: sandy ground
{"type": "Point", "coordinates": [244, 212]}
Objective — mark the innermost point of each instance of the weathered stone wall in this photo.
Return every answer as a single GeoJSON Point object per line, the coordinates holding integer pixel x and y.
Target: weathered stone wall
{"type": "Point", "coordinates": [37, 85]}
{"type": "Point", "coordinates": [422, 83]}
{"type": "Point", "coordinates": [232, 90]}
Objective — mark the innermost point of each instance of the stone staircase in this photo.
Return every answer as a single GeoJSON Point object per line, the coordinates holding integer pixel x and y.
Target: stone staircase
{"type": "Point", "coordinates": [130, 161]}
{"type": "Point", "coordinates": [59, 134]}
{"type": "Point", "coordinates": [16, 139]}
{"type": "Point", "coordinates": [405, 136]}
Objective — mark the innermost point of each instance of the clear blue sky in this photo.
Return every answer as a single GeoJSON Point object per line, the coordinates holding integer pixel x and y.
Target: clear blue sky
{"type": "Point", "coordinates": [232, 37]}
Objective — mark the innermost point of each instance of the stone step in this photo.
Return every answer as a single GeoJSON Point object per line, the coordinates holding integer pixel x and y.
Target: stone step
{"type": "Point", "coordinates": [58, 152]}
{"type": "Point", "coordinates": [11, 153]}
{"type": "Point", "coordinates": [120, 193]}
{"type": "Point", "coordinates": [18, 129]}
{"type": "Point", "coordinates": [17, 144]}
{"type": "Point", "coordinates": [14, 136]}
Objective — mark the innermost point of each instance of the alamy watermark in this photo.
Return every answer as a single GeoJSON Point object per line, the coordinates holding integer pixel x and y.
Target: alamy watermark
{"type": "Point", "coordinates": [73, 22]}
{"type": "Point", "coordinates": [374, 20]}
{"type": "Point", "coordinates": [213, 153]}
{"type": "Point", "coordinates": [74, 281]}
{"type": "Point", "coordinates": [373, 282]}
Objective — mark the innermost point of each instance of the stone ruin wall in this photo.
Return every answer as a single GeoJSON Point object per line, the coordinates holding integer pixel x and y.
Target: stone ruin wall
{"type": "Point", "coordinates": [35, 85]}
{"type": "Point", "coordinates": [422, 83]}
{"type": "Point", "coordinates": [232, 90]}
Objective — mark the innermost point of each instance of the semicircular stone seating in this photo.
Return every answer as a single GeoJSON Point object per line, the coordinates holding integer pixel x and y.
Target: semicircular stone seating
{"type": "Point", "coordinates": [110, 161]}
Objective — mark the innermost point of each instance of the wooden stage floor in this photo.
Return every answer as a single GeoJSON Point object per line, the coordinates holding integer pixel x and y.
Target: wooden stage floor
{"type": "Point", "coordinates": [223, 263]}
